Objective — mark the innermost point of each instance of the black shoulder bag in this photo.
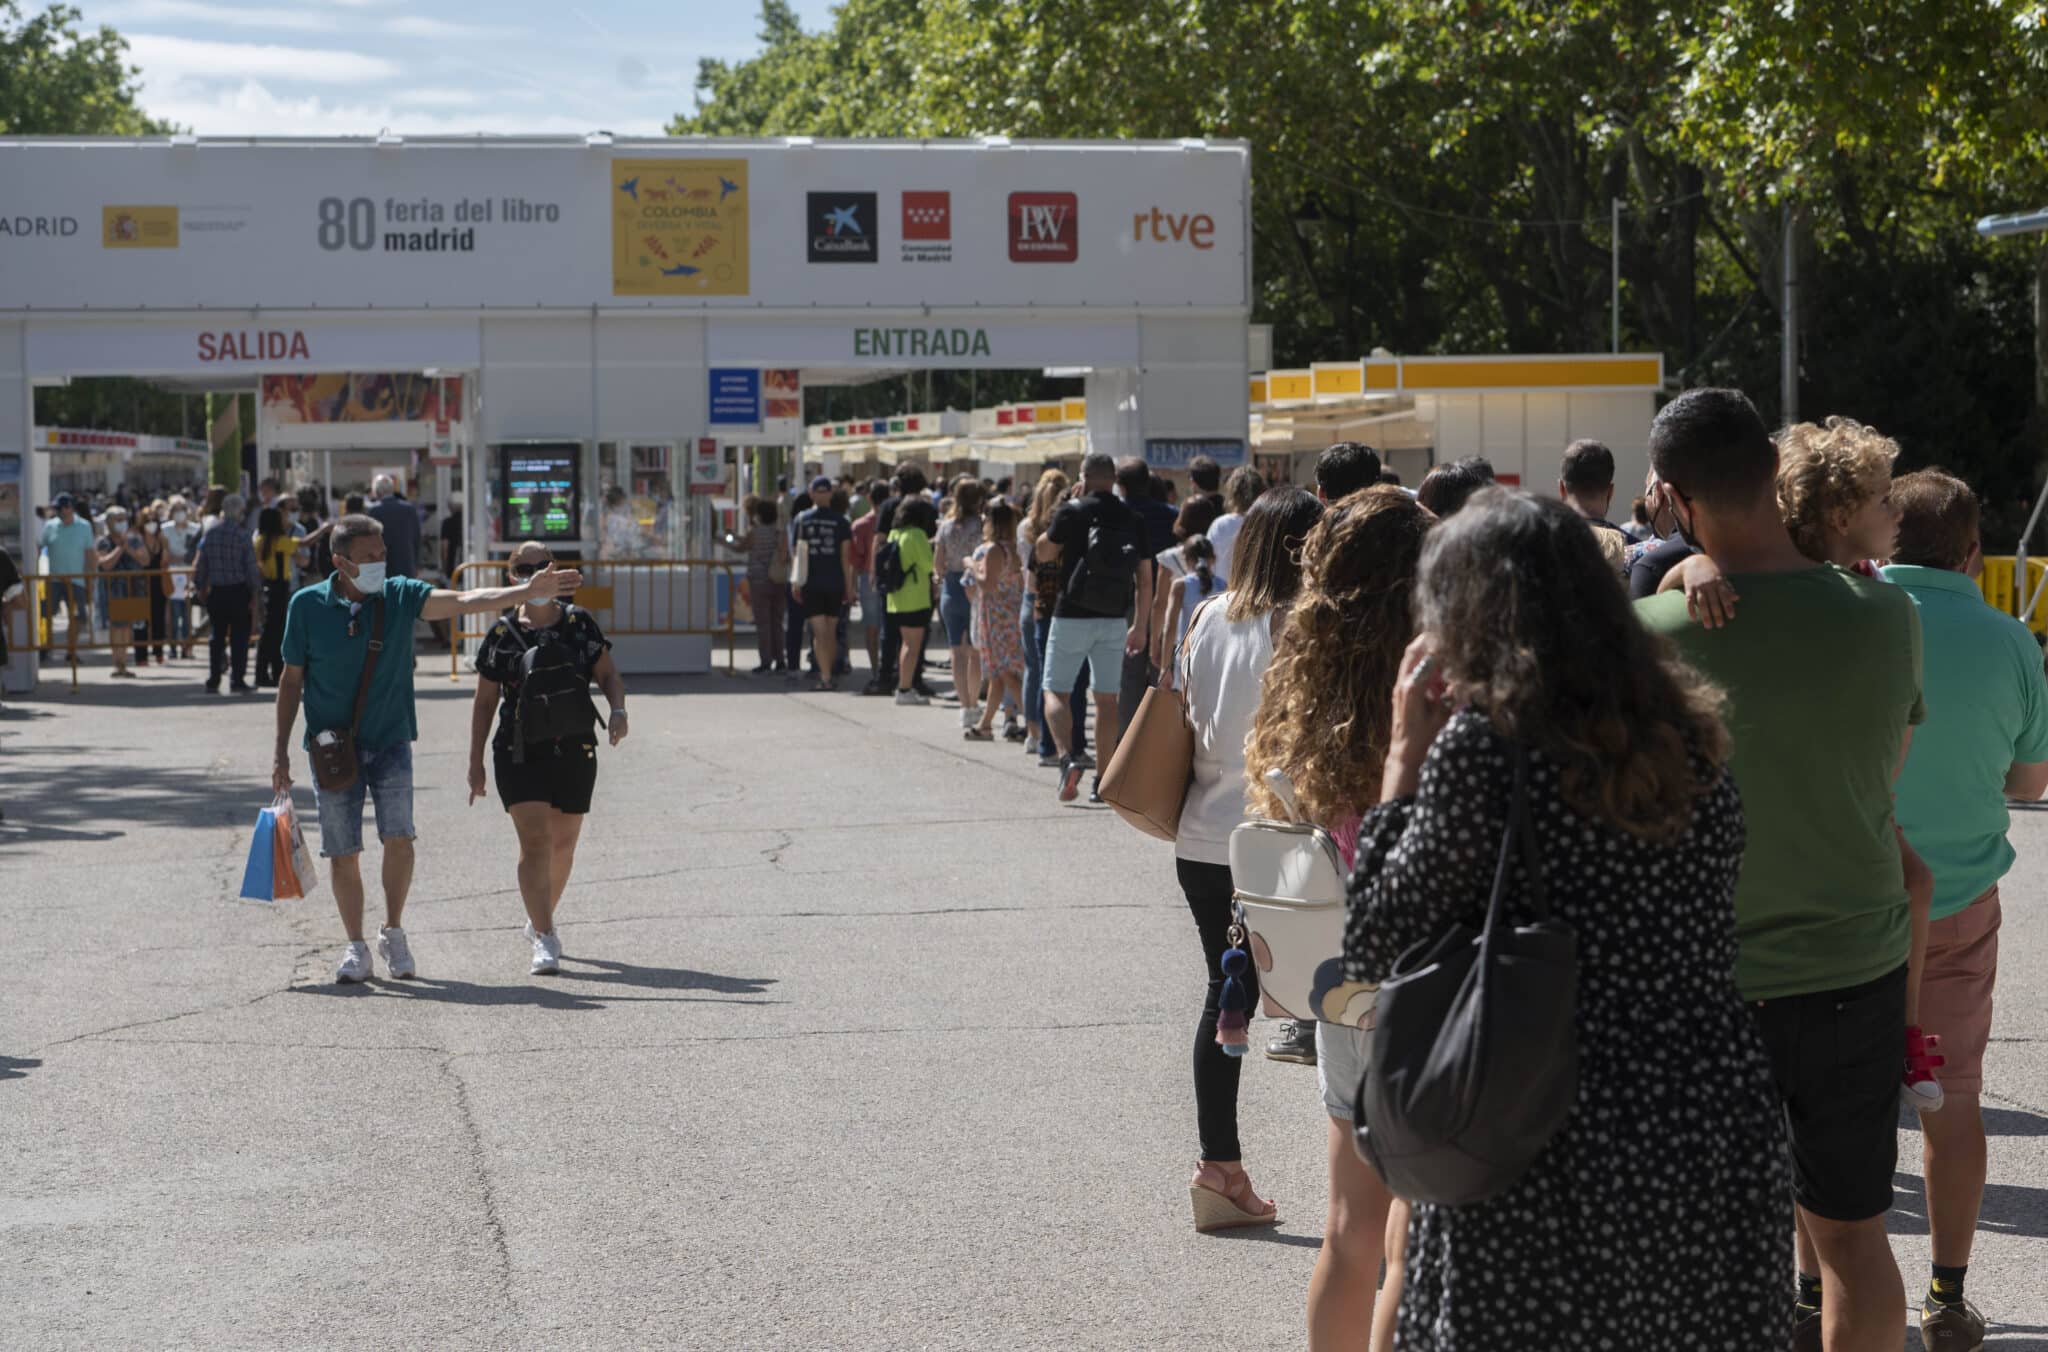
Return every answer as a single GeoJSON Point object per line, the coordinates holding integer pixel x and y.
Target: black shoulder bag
{"type": "Point", "coordinates": [1474, 1061]}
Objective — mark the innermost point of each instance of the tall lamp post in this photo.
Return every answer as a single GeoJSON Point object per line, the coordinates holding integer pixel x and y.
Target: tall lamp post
{"type": "Point", "coordinates": [1998, 227]}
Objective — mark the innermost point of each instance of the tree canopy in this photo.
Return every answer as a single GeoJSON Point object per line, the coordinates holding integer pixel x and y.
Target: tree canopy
{"type": "Point", "coordinates": [57, 79]}
{"type": "Point", "coordinates": [1436, 175]}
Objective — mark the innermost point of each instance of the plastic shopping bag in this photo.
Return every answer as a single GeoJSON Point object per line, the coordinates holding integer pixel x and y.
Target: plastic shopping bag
{"type": "Point", "coordinates": [260, 874]}
{"type": "Point", "coordinates": [292, 869]}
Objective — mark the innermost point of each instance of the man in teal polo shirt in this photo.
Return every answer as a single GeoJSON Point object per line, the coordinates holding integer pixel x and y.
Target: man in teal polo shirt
{"type": "Point", "coordinates": [327, 637]}
{"type": "Point", "coordinates": [1986, 738]}
{"type": "Point", "coordinates": [67, 540]}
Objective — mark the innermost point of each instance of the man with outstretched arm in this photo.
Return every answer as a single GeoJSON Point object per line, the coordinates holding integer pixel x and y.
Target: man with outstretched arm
{"type": "Point", "coordinates": [328, 636]}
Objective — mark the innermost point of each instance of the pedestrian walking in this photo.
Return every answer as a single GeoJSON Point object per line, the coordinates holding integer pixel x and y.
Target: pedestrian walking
{"type": "Point", "coordinates": [1229, 647]}
{"type": "Point", "coordinates": [826, 538]}
{"type": "Point", "coordinates": [534, 671]}
{"type": "Point", "coordinates": [225, 576]}
{"type": "Point", "coordinates": [348, 653]}
{"type": "Point", "coordinates": [767, 579]}
{"type": "Point", "coordinates": [275, 550]}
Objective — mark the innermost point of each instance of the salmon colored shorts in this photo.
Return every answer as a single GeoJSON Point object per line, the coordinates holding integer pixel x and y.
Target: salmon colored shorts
{"type": "Point", "coordinates": [1955, 990]}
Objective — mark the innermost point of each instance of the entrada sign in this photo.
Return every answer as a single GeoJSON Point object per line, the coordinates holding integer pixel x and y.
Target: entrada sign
{"type": "Point", "coordinates": [920, 343]}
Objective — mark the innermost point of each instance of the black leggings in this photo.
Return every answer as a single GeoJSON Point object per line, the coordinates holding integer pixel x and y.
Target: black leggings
{"type": "Point", "coordinates": [277, 600]}
{"type": "Point", "coordinates": [1208, 891]}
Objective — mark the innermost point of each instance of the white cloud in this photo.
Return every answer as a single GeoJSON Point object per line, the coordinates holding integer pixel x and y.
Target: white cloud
{"type": "Point", "coordinates": [252, 109]}
{"type": "Point", "coordinates": [181, 60]}
{"type": "Point", "coordinates": [419, 26]}
{"type": "Point", "coordinates": [298, 19]}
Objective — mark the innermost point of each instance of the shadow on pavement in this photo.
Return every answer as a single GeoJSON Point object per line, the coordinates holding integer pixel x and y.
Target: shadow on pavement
{"type": "Point", "coordinates": [2008, 1208]}
{"type": "Point", "coordinates": [17, 1067]}
{"type": "Point", "coordinates": [663, 978]}
{"type": "Point", "coordinates": [544, 993]}
{"type": "Point", "coordinates": [1266, 1234]}
{"type": "Point", "coordinates": [95, 799]}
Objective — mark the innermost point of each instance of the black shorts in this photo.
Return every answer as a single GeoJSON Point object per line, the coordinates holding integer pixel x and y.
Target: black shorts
{"type": "Point", "coordinates": [562, 774]}
{"type": "Point", "coordinates": [913, 619]}
{"type": "Point", "coordinates": [1836, 1057]}
{"type": "Point", "coordinates": [817, 602]}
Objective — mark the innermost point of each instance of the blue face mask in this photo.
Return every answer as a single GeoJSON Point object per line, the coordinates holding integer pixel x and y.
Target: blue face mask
{"type": "Point", "coordinates": [369, 578]}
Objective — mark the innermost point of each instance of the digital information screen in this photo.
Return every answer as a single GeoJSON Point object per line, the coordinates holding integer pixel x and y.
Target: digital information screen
{"type": "Point", "coordinates": [542, 493]}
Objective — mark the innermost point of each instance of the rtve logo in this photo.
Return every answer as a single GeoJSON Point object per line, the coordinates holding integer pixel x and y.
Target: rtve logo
{"type": "Point", "coordinates": [1044, 227]}
{"type": "Point", "coordinates": [1165, 227]}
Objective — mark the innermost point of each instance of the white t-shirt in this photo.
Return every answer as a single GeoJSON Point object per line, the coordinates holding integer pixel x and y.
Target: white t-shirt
{"type": "Point", "coordinates": [1226, 662]}
{"type": "Point", "coordinates": [1223, 538]}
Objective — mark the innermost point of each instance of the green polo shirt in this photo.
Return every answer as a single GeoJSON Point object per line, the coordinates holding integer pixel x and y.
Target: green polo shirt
{"type": "Point", "coordinates": [316, 638]}
{"type": "Point", "coordinates": [1987, 709]}
{"type": "Point", "coordinates": [1822, 670]}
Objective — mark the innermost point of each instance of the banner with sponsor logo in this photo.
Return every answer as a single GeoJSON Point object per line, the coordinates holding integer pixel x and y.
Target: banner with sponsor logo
{"type": "Point", "coordinates": [539, 224]}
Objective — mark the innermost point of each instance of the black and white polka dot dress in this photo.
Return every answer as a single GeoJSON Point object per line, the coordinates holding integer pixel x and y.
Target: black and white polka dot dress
{"type": "Point", "coordinates": [1661, 1215]}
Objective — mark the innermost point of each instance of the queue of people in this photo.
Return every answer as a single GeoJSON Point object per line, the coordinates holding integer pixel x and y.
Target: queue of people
{"type": "Point", "coordinates": [1783, 893]}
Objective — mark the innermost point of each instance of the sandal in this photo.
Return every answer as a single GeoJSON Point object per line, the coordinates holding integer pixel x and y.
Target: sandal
{"type": "Point", "coordinates": [1223, 1201]}
{"type": "Point", "coordinates": [978, 735]}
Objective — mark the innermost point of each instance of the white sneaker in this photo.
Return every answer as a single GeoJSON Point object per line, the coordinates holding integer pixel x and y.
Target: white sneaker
{"type": "Point", "coordinates": [970, 714]}
{"type": "Point", "coordinates": [910, 697]}
{"type": "Point", "coordinates": [397, 954]}
{"type": "Point", "coordinates": [354, 965]}
{"type": "Point", "coordinates": [547, 951]}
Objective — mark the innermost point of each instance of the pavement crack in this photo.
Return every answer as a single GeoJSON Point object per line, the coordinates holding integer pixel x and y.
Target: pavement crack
{"type": "Point", "coordinates": [479, 1159]}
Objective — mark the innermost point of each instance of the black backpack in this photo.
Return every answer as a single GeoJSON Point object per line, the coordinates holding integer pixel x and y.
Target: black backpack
{"type": "Point", "coordinates": [1107, 580]}
{"type": "Point", "coordinates": [889, 568]}
{"type": "Point", "coordinates": [554, 695]}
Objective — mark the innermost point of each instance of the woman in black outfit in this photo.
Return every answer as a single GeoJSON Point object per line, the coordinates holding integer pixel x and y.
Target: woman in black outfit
{"type": "Point", "coordinates": [1660, 1215]}
{"type": "Point", "coordinates": [546, 786]}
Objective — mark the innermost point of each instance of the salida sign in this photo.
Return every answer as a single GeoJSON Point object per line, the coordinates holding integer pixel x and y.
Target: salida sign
{"type": "Point", "coordinates": [254, 345]}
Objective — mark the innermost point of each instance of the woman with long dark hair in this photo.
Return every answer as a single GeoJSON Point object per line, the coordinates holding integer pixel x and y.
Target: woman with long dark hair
{"type": "Point", "coordinates": [1229, 645]}
{"type": "Point", "coordinates": [1663, 1206]}
{"type": "Point", "coordinates": [952, 550]}
{"type": "Point", "coordinates": [1325, 721]}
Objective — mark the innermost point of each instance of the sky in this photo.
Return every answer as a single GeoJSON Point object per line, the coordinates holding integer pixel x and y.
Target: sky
{"type": "Point", "coordinates": [356, 67]}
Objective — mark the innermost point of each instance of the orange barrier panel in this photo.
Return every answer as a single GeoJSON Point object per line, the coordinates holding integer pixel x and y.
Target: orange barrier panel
{"type": "Point", "coordinates": [128, 605]}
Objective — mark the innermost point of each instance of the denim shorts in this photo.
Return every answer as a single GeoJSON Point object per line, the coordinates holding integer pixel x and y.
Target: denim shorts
{"type": "Point", "coordinates": [1075, 642]}
{"type": "Point", "coordinates": [1340, 1066]}
{"type": "Point", "coordinates": [386, 776]}
{"type": "Point", "coordinates": [870, 603]}
{"type": "Point", "coordinates": [956, 609]}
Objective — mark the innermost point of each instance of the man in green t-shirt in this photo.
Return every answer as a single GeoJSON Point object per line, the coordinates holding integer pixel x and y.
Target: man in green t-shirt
{"type": "Point", "coordinates": [1823, 678]}
{"type": "Point", "coordinates": [328, 632]}
{"type": "Point", "coordinates": [1985, 739]}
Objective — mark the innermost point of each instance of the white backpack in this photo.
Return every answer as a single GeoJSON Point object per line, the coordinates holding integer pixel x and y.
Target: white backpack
{"type": "Point", "coordinates": [1289, 896]}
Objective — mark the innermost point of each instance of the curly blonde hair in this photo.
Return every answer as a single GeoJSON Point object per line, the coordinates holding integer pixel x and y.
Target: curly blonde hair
{"type": "Point", "coordinates": [1326, 707]}
{"type": "Point", "coordinates": [1827, 471]}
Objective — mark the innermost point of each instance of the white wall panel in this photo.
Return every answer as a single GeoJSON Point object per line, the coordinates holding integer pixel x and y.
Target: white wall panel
{"type": "Point", "coordinates": [651, 378]}
{"type": "Point", "coordinates": [537, 378]}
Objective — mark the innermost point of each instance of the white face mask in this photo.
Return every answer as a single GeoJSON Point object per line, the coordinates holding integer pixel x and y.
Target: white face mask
{"type": "Point", "coordinates": [369, 579]}
{"type": "Point", "coordinates": [149, 526]}
{"type": "Point", "coordinates": [178, 518]}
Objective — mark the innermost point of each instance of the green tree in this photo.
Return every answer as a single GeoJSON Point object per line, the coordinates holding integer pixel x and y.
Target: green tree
{"type": "Point", "coordinates": [57, 79]}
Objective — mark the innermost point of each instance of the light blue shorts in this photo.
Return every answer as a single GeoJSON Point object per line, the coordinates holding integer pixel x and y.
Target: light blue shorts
{"type": "Point", "coordinates": [1097, 643]}
{"type": "Point", "coordinates": [386, 776]}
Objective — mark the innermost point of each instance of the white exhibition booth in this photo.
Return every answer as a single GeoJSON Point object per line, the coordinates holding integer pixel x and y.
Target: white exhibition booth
{"type": "Point", "coordinates": [594, 291]}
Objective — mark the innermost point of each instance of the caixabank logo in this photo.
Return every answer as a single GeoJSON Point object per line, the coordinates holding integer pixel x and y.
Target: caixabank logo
{"type": "Point", "coordinates": [1044, 227]}
{"type": "Point", "coordinates": [841, 228]}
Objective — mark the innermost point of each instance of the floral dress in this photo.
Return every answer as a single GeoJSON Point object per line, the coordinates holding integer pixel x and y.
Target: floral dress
{"type": "Point", "coordinates": [1661, 1215]}
{"type": "Point", "coordinates": [998, 616]}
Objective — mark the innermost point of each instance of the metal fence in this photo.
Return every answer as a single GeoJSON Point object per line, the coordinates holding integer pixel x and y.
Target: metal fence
{"type": "Point", "coordinates": [631, 598]}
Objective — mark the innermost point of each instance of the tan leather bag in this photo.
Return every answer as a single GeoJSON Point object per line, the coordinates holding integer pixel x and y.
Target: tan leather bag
{"type": "Point", "coordinates": [1148, 777]}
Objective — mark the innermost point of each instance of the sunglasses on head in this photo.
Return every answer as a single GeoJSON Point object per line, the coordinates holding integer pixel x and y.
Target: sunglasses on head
{"type": "Point", "coordinates": [529, 569]}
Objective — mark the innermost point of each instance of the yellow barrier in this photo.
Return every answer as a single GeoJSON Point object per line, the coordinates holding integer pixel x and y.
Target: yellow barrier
{"type": "Point", "coordinates": [630, 597]}
{"type": "Point", "coordinates": [1999, 583]}
{"type": "Point", "coordinates": [128, 606]}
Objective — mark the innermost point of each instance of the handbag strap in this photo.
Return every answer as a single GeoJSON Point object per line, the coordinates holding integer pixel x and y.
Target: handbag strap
{"type": "Point", "coordinates": [1518, 836]}
{"type": "Point", "coordinates": [369, 663]}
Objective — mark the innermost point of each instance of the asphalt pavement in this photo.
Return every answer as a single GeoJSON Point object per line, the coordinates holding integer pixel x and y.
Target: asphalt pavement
{"type": "Point", "coordinates": [862, 1041]}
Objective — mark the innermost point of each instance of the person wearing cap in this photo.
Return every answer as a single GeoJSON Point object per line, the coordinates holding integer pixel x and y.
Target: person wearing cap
{"type": "Point", "coordinates": [66, 543]}
{"type": "Point", "coordinates": [826, 536]}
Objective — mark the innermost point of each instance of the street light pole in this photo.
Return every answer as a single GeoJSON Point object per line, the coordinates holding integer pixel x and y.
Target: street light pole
{"type": "Point", "coordinates": [1999, 227]}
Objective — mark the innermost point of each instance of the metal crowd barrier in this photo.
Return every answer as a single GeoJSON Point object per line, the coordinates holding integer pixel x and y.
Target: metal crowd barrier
{"type": "Point", "coordinates": [127, 606]}
{"type": "Point", "coordinates": [665, 598]}
{"type": "Point", "coordinates": [2000, 584]}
